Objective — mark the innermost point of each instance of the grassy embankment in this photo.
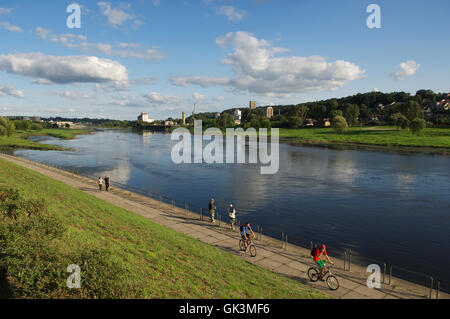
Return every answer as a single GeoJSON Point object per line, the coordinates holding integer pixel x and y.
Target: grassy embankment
{"type": "Point", "coordinates": [121, 255]}
{"type": "Point", "coordinates": [381, 136]}
{"type": "Point", "coordinates": [384, 137]}
{"type": "Point", "coordinates": [19, 138]}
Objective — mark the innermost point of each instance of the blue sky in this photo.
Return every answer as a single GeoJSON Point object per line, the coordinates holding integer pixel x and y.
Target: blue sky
{"type": "Point", "coordinates": [160, 56]}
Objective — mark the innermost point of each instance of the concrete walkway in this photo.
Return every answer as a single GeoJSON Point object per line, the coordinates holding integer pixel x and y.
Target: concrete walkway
{"type": "Point", "coordinates": [293, 262]}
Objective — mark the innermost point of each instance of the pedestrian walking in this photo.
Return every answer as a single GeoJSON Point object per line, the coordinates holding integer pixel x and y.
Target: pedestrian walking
{"type": "Point", "coordinates": [100, 183]}
{"type": "Point", "coordinates": [107, 183]}
{"type": "Point", "coordinates": [232, 215]}
{"type": "Point", "coordinates": [212, 210]}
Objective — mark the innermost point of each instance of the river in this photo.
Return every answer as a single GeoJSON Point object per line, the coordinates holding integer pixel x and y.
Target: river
{"type": "Point", "coordinates": [388, 206]}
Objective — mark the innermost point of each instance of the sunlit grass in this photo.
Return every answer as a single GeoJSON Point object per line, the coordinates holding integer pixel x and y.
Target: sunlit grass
{"type": "Point", "coordinates": [389, 136]}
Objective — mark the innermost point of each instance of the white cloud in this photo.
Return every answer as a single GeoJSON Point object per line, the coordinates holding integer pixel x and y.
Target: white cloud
{"type": "Point", "coordinates": [42, 82]}
{"type": "Point", "coordinates": [143, 81]}
{"type": "Point", "coordinates": [9, 27]}
{"type": "Point", "coordinates": [118, 16]}
{"type": "Point", "coordinates": [232, 13]}
{"type": "Point", "coordinates": [9, 90]}
{"type": "Point", "coordinates": [129, 45]}
{"type": "Point", "coordinates": [219, 98]}
{"type": "Point", "coordinates": [200, 81]}
{"type": "Point", "coordinates": [42, 33]}
{"type": "Point", "coordinates": [198, 96]}
{"type": "Point", "coordinates": [407, 69]}
{"type": "Point", "coordinates": [258, 70]}
{"type": "Point", "coordinates": [158, 98]}
{"type": "Point", "coordinates": [115, 16]}
{"type": "Point", "coordinates": [4, 11]}
{"type": "Point", "coordinates": [64, 69]}
{"type": "Point", "coordinates": [79, 42]}
{"type": "Point", "coordinates": [73, 95]}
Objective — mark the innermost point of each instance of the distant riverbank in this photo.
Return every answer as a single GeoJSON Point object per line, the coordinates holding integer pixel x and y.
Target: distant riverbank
{"type": "Point", "coordinates": [380, 138]}
{"type": "Point", "coordinates": [20, 139]}
{"type": "Point", "coordinates": [384, 138]}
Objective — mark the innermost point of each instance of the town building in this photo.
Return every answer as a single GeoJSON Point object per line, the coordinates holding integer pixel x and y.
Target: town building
{"type": "Point", "coordinates": [170, 123]}
{"type": "Point", "coordinates": [269, 112]}
{"type": "Point", "coordinates": [252, 105]}
{"type": "Point", "coordinates": [237, 117]}
{"type": "Point", "coordinates": [217, 115]}
{"type": "Point", "coordinates": [144, 118]}
{"type": "Point", "coordinates": [184, 118]}
{"type": "Point", "coordinates": [62, 124]}
{"type": "Point", "coordinates": [444, 104]}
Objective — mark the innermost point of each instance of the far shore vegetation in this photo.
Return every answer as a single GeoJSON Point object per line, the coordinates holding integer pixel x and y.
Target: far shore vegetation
{"type": "Point", "coordinates": [14, 134]}
{"type": "Point", "coordinates": [420, 122]}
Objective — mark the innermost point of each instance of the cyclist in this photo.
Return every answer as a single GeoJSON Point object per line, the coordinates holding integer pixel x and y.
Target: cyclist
{"type": "Point", "coordinates": [245, 229]}
{"type": "Point", "coordinates": [317, 257]}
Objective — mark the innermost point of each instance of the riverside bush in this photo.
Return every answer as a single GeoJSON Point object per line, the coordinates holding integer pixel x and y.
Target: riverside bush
{"type": "Point", "coordinates": [339, 124]}
{"type": "Point", "coordinates": [34, 261]}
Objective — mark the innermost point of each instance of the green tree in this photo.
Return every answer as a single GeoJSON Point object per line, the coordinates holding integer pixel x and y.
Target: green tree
{"type": "Point", "coordinates": [335, 113]}
{"type": "Point", "coordinates": [399, 120]}
{"type": "Point", "coordinates": [23, 125]}
{"type": "Point", "coordinates": [295, 122]}
{"type": "Point", "coordinates": [7, 127]}
{"type": "Point", "coordinates": [225, 120]}
{"type": "Point", "coordinates": [36, 126]}
{"type": "Point", "coordinates": [339, 124]}
{"type": "Point", "coordinates": [302, 113]}
{"type": "Point", "coordinates": [417, 125]}
{"type": "Point", "coordinates": [351, 113]}
{"type": "Point", "coordinates": [364, 114]}
{"type": "Point", "coordinates": [411, 110]}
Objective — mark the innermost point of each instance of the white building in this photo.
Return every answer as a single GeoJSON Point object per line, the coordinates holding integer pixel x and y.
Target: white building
{"type": "Point", "coordinates": [144, 118]}
{"type": "Point", "coordinates": [238, 115]}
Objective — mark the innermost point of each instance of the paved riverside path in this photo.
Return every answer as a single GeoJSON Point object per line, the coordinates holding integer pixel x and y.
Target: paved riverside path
{"type": "Point", "coordinates": [293, 262]}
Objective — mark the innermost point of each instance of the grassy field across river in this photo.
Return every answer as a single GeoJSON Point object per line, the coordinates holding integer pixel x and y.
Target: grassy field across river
{"type": "Point", "coordinates": [19, 139]}
{"type": "Point", "coordinates": [383, 135]}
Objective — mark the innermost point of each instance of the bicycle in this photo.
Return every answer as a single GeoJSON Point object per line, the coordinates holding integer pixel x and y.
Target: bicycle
{"type": "Point", "coordinates": [332, 281]}
{"type": "Point", "coordinates": [250, 246]}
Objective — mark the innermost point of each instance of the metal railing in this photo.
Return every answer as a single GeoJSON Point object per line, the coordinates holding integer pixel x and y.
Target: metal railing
{"type": "Point", "coordinates": [349, 258]}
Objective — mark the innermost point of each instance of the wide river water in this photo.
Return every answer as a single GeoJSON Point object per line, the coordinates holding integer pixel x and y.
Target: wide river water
{"type": "Point", "coordinates": [387, 206]}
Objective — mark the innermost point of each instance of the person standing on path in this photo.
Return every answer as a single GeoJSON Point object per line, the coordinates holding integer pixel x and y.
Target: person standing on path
{"type": "Point", "coordinates": [100, 183]}
{"type": "Point", "coordinates": [212, 210]}
{"type": "Point", "coordinates": [232, 215]}
{"type": "Point", "coordinates": [107, 183]}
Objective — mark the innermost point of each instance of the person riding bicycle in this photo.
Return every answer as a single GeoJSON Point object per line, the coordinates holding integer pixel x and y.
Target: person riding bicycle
{"type": "Point", "coordinates": [317, 257]}
{"type": "Point", "coordinates": [245, 229]}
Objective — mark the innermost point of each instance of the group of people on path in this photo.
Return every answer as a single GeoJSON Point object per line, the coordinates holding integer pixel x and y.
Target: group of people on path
{"type": "Point", "coordinates": [246, 230]}
{"type": "Point", "coordinates": [231, 213]}
{"type": "Point", "coordinates": [102, 181]}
